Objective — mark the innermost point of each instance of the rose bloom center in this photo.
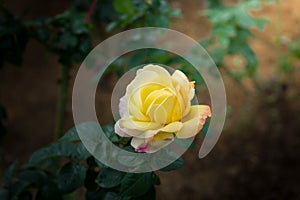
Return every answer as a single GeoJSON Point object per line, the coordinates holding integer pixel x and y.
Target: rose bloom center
{"type": "Point", "coordinates": [158, 104]}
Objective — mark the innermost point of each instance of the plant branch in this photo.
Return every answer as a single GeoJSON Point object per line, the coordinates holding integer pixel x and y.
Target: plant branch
{"type": "Point", "coordinates": [91, 11]}
{"type": "Point", "coordinates": [62, 102]}
{"type": "Point", "coordinates": [2, 163]}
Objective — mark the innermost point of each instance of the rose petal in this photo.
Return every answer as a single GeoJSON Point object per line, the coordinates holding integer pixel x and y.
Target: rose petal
{"type": "Point", "coordinates": [147, 89]}
{"type": "Point", "coordinates": [172, 127]}
{"type": "Point", "coordinates": [160, 115]}
{"type": "Point", "coordinates": [155, 97]}
{"type": "Point", "coordinates": [123, 107]}
{"type": "Point", "coordinates": [137, 113]}
{"type": "Point", "coordinates": [153, 144]}
{"type": "Point", "coordinates": [138, 128]}
{"type": "Point", "coordinates": [194, 121]}
{"type": "Point", "coordinates": [121, 131]}
{"type": "Point", "coordinates": [186, 91]}
{"type": "Point", "coordinates": [155, 68]}
{"type": "Point", "coordinates": [145, 77]}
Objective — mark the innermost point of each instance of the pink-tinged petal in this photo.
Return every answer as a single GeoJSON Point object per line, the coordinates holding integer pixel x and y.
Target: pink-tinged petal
{"type": "Point", "coordinates": [153, 144]}
{"type": "Point", "coordinates": [123, 107]}
{"type": "Point", "coordinates": [204, 111]}
{"type": "Point", "coordinates": [194, 121]}
{"type": "Point", "coordinates": [159, 141]}
{"type": "Point", "coordinates": [139, 144]}
{"type": "Point", "coordinates": [120, 131]}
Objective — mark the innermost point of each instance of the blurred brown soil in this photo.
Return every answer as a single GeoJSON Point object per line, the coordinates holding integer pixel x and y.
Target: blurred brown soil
{"type": "Point", "coordinates": [257, 156]}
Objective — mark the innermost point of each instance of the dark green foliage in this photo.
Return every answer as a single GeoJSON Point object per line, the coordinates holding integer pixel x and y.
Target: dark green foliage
{"type": "Point", "coordinates": [8, 175]}
{"type": "Point", "coordinates": [135, 13]}
{"type": "Point", "coordinates": [67, 35]}
{"type": "Point", "coordinates": [13, 38]}
{"type": "Point", "coordinates": [62, 167]}
{"type": "Point", "coordinates": [136, 185]}
{"type": "Point", "coordinates": [231, 32]}
{"type": "Point", "coordinates": [109, 178]}
{"type": "Point", "coordinates": [214, 3]}
{"type": "Point", "coordinates": [71, 176]}
{"type": "Point", "coordinates": [149, 55]}
{"type": "Point", "coordinates": [59, 169]}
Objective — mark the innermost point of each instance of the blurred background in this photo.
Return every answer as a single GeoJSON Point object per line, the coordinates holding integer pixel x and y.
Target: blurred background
{"type": "Point", "coordinates": [254, 43]}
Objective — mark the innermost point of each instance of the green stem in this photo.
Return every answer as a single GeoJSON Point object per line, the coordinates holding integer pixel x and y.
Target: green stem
{"type": "Point", "coordinates": [2, 163]}
{"type": "Point", "coordinates": [278, 27]}
{"type": "Point", "coordinates": [62, 102]}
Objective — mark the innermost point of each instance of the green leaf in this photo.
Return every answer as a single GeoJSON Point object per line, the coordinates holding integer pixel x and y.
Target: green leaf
{"type": "Point", "coordinates": [33, 176]}
{"type": "Point", "coordinates": [43, 157]}
{"type": "Point", "coordinates": [243, 18]}
{"type": "Point", "coordinates": [224, 41]}
{"type": "Point", "coordinates": [173, 166]}
{"type": "Point", "coordinates": [112, 196]}
{"type": "Point", "coordinates": [254, 4]}
{"type": "Point", "coordinates": [71, 177]}
{"type": "Point", "coordinates": [115, 196]}
{"type": "Point", "coordinates": [135, 185]}
{"type": "Point", "coordinates": [108, 178]}
{"type": "Point", "coordinates": [137, 59]}
{"type": "Point", "coordinates": [81, 153]}
{"type": "Point", "coordinates": [109, 131]}
{"type": "Point", "coordinates": [71, 135]}
{"type": "Point", "coordinates": [226, 30]}
{"type": "Point", "coordinates": [175, 13]}
{"type": "Point", "coordinates": [68, 40]}
{"type": "Point", "coordinates": [8, 175]}
{"type": "Point", "coordinates": [17, 188]}
{"type": "Point", "coordinates": [260, 23]}
{"type": "Point", "coordinates": [129, 160]}
{"type": "Point", "coordinates": [157, 21]}
{"type": "Point", "coordinates": [124, 6]}
{"type": "Point", "coordinates": [111, 26]}
{"type": "Point", "coordinates": [79, 27]}
{"type": "Point", "coordinates": [249, 55]}
{"type": "Point", "coordinates": [64, 149]}
{"type": "Point", "coordinates": [4, 194]}
{"type": "Point", "coordinates": [219, 17]}
{"type": "Point", "coordinates": [206, 42]}
{"type": "Point", "coordinates": [217, 55]}
{"type": "Point", "coordinates": [214, 3]}
{"type": "Point", "coordinates": [155, 179]}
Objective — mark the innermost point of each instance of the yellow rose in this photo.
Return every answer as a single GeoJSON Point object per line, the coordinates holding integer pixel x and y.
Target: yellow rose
{"type": "Point", "coordinates": [156, 107]}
